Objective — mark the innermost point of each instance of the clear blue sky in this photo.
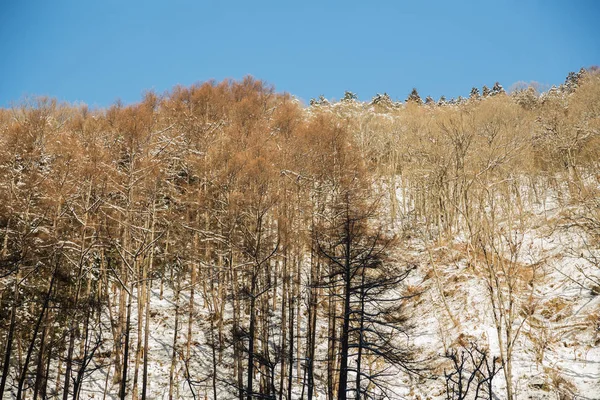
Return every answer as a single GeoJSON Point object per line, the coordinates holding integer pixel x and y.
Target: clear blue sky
{"type": "Point", "coordinates": [99, 50]}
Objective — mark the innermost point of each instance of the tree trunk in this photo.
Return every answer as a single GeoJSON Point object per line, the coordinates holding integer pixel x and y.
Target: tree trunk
{"type": "Point", "coordinates": [284, 305]}
{"type": "Point", "coordinates": [331, 347]}
{"type": "Point", "coordinates": [251, 334]}
{"type": "Point", "coordinates": [39, 374]}
{"type": "Point", "coordinates": [343, 382]}
{"type": "Point", "coordinates": [85, 358]}
{"type": "Point", "coordinates": [146, 337]}
{"type": "Point", "coordinates": [140, 319]}
{"type": "Point", "coordinates": [360, 334]}
{"type": "Point", "coordinates": [174, 353]}
{"type": "Point", "coordinates": [9, 339]}
{"type": "Point", "coordinates": [214, 358]}
{"type": "Point", "coordinates": [291, 351]}
{"type": "Point", "coordinates": [123, 391]}
{"type": "Point", "coordinates": [34, 337]}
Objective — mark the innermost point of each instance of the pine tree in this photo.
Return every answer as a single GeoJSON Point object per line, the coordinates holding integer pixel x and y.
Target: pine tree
{"type": "Point", "coordinates": [321, 101]}
{"type": "Point", "coordinates": [474, 95]}
{"type": "Point", "coordinates": [382, 99]}
{"type": "Point", "coordinates": [349, 96]}
{"type": "Point", "coordinates": [497, 89]}
{"type": "Point", "coordinates": [485, 91]}
{"type": "Point", "coordinates": [414, 97]}
{"type": "Point", "coordinates": [573, 80]}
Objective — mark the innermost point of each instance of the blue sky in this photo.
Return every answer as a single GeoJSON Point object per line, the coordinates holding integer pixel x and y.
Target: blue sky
{"type": "Point", "coordinates": [99, 51]}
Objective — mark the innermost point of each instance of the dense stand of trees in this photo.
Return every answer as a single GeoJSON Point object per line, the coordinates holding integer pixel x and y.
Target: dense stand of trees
{"type": "Point", "coordinates": [225, 199]}
{"type": "Point", "coordinates": [476, 170]}
{"type": "Point", "coordinates": [272, 231]}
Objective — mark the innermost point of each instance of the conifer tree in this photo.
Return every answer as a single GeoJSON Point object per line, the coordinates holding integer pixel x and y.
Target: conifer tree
{"type": "Point", "coordinates": [497, 89]}
{"type": "Point", "coordinates": [414, 97]}
{"type": "Point", "coordinates": [485, 91]}
{"type": "Point", "coordinates": [382, 99]}
{"type": "Point", "coordinates": [349, 96]}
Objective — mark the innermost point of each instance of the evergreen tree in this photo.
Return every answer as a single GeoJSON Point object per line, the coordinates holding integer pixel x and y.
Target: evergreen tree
{"type": "Point", "coordinates": [319, 102]}
{"type": "Point", "coordinates": [485, 91]}
{"type": "Point", "coordinates": [573, 79]}
{"type": "Point", "coordinates": [382, 99]}
{"type": "Point", "coordinates": [414, 97]}
{"type": "Point", "coordinates": [349, 96]}
{"type": "Point", "coordinates": [497, 89]}
{"type": "Point", "coordinates": [429, 101]}
{"type": "Point", "coordinates": [474, 93]}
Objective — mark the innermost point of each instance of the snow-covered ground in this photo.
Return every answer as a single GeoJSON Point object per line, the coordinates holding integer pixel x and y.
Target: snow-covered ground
{"type": "Point", "coordinates": [556, 356]}
{"type": "Point", "coordinates": [557, 353]}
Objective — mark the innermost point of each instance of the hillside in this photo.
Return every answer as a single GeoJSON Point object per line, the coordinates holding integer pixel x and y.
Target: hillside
{"type": "Point", "coordinates": [225, 241]}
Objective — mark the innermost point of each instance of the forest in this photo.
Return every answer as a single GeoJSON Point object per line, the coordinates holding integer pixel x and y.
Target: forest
{"type": "Point", "coordinates": [225, 241]}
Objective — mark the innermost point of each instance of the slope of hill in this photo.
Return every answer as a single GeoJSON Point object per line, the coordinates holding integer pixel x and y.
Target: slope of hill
{"type": "Point", "coordinates": [222, 241]}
